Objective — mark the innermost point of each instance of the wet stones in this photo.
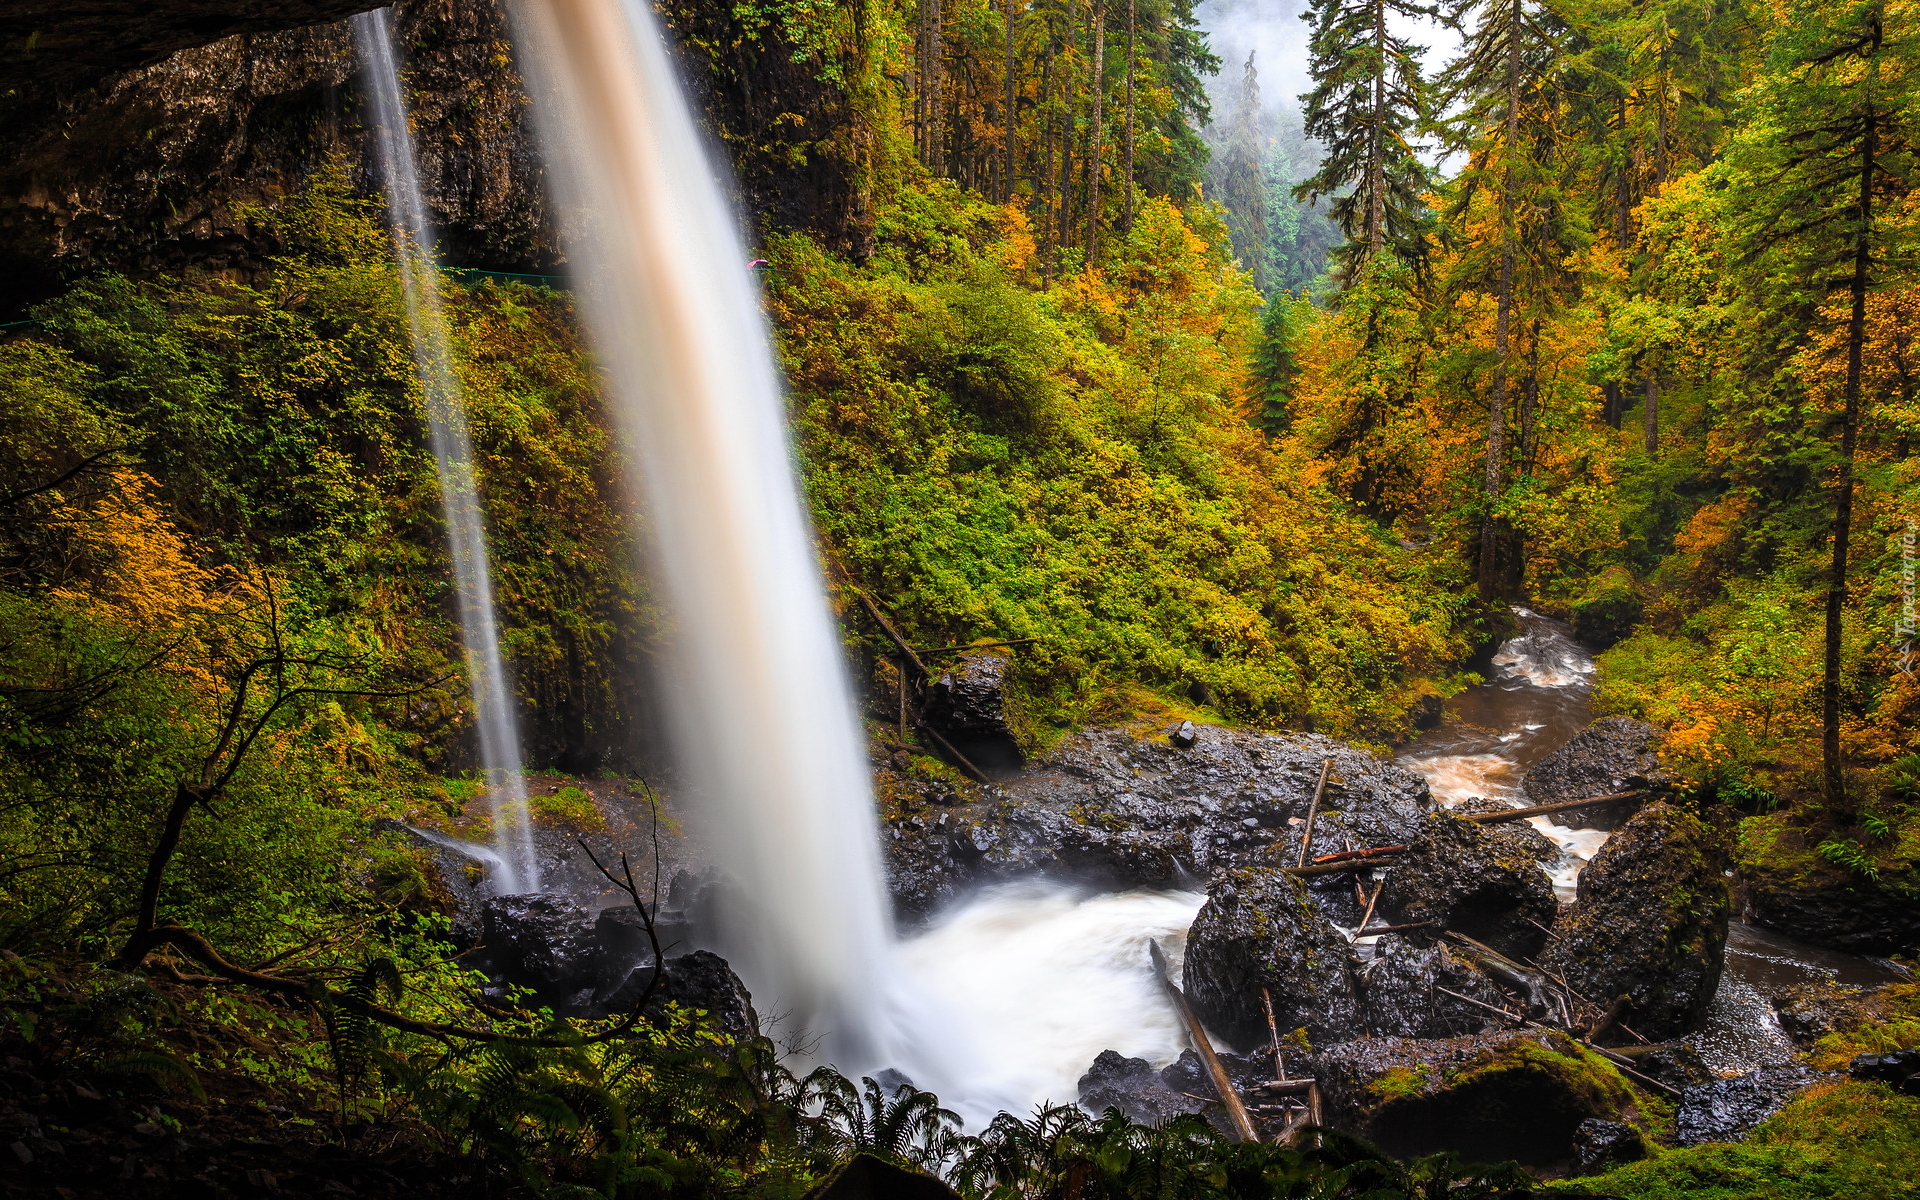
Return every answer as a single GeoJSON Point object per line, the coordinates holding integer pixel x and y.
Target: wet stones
{"type": "Point", "coordinates": [544, 942]}
{"type": "Point", "coordinates": [1614, 754]}
{"type": "Point", "coordinates": [1726, 1110]}
{"type": "Point", "coordinates": [700, 982]}
{"type": "Point", "coordinates": [1406, 988]}
{"type": "Point", "coordinates": [1650, 922]}
{"type": "Point", "coordinates": [1489, 1097]}
{"type": "Point", "coordinates": [1460, 876]}
{"type": "Point", "coordinates": [1600, 1145]}
{"type": "Point", "coordinates": [1135, 1088]}
{"type": "Point", "coordinates": [1899, 1070]}
{"type": "Point", "coordinates": [1258, 929]}
{"type": "Point", "coordinates": [1111, 810]}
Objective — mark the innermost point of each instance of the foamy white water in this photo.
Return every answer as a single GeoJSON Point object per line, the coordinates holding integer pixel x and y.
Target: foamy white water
{"type": "Point", "coordinates": [514, 869]}
{"type": "Point", "coordinates": [762, 715]}
{"type": "Point", "coordinates": [1035, 980]}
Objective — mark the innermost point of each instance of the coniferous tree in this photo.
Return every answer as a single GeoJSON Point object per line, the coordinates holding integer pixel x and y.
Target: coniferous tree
{"type": "Point", "coordinates": [1369, 102]}
{"type": "Point", "coordinates": [1827, 160]}
{"type": "Point", "coordinates": [1505, 83]}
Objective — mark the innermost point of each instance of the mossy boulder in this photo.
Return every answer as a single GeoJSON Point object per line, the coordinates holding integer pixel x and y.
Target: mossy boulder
{"type": "Point", "coordinates": [972, 706]}
{"type": "Point", "coordinates": [1792, 888]}
{"type": "Point", "coordinates": [1466, 879]}
{"type": "Point", "coordinates": [1614, 754]}
{"type": "Point", "coordinates": [1650, 922]}
{"type": "Point", "coordinates": [1489, 1097]}
{"type": "Point", "coordinates": [1260, 929]}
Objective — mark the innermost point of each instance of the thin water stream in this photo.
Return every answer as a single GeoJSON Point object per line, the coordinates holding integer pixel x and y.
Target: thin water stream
{"type": "Point", "coordinates": [513, 867]}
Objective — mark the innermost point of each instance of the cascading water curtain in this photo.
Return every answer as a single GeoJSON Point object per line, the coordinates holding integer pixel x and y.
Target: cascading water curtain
{"type": "Point", "coordinates": [517, 870]}
{"type": "Point", "coordinates": [765, 729]}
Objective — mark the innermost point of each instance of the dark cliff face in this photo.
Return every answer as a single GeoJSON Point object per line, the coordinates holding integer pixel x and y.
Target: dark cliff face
{"type": "Point", "coordinates": [146, 169]}
{"type": "Point", "coordinates": [135, 150]}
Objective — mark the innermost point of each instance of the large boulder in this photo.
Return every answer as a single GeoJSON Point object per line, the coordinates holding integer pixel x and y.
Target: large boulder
{"type": "Point", "coordinates": [1407, 984]}
{"type": "Point", "coordinates": [1134, 1087]}
{"type": "Point", "coordinates": [1614, 754]}
{"type": "Point", "coordinates": [1490, 1097]}
{"type": "Point", "coordinates": [1830, 906]}
{"type": "Point", "coordinates": [1464, 878]}
{"type": "Point", "coordinates": [700, 982]}
{"type": "Point", "coordinates": [1811, 1011]}
{"type": "Point", "coordinates": [1258, 929]}
{"type": "Point", "coordinates": [1111, 809]}
{"type": "Point", "coordinates": [1650, 922]}
{"type": "Point", "coordinates": [1601, 1145]}
{"type": "Point", "coordinates": [543, 942]}
{"type": "Point", "coordinates": [968, 705]}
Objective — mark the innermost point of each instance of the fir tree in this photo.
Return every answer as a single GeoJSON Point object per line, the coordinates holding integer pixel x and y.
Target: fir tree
{"type": "Point", "coordinates": [1506, 83]}
{"type": "Point", "coordinates": [1823, 170]}
{"type": "Point", "coordinates": [1369, 101]}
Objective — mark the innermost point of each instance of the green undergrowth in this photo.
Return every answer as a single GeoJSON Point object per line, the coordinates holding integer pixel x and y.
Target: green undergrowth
{"type": "Point", "coordinates": [221, 493]}
{"type": "Point", "coordinates": [1893, 1024]}
{"type": "Point", "coordinates": [1847, 1141]}
{"type": "Point", "coordinates": [994, 454]}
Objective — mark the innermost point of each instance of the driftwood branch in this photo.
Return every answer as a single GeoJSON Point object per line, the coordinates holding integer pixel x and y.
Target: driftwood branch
{"type": "Point", "coordinates": [893, 635]}
{"type": "Point", "coordinates": [1313, 810]}
{"type": "Point", "coordinates": [1334, 868]}
{"type": "Point", "coordinates": [1356, 855]}
{"type": "Point", "coordinates": [1237, 1113]}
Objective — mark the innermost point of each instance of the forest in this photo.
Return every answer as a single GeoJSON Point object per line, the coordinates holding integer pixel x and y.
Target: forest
{"type": "Point", "coordinates": [1169, 416]}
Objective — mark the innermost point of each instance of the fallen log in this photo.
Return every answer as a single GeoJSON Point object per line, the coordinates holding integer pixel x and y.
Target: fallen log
{"type": "Point", "coordinates": [980, 646]}
{"type": "Point", "coordinates": [1237, 1114]}
{"type": "Point", "coordinates": [1625, 1066]}
{"type": "Point", "coordinates": [1541, 810]}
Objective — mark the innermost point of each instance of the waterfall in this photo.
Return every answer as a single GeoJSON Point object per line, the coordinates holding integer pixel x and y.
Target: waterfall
{"type": "Point", "coordinates": [453, 457]}
{"type": "Point", "coordinates": [762, 715]}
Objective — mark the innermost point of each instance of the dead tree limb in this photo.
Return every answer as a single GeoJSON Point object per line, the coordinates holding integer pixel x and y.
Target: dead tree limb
{"type": "Point", "coordinates": [1237, 1113]}
{"type": "Point", "coordinates": [1313, 810]}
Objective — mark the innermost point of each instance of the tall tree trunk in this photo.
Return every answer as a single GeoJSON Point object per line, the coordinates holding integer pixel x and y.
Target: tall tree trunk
{"type": "Point", "coordinates": [1098, 81]}
{"type": "Point", "coordinates": [1007, 173]}
{"type": "Point", "coordinates": [1612, 404]}
{"type": "Point", "coordinates": [147, 912]}
{"type": "Point", "coordinates": [1041, 199]}
{"type": "Point", "coordinates": [1830, 759]}
{"type": "Point", "coordinates": [1376, 156]}
{"type": "Point", "coordinates": [1126, 217]}
{"type": "Point", "coordinates": [1063, 220]}
{"type": "Point", "coordinates": [1623, 193]}
{"type": "Point", "coordinates": [1502, 325]}
{"type": "Point", "coordinates": [934, 85]}
{"type": "Point", "coordinates": [1650, 412]}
